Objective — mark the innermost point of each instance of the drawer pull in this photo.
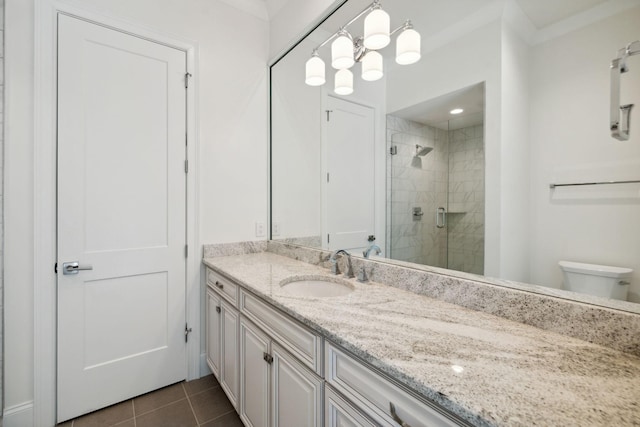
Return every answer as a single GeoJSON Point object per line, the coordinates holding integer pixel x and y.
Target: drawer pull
{"type": "Point", "coordinates": [219, 285]}
{"type": "Point", "coordinates": [395, 416]}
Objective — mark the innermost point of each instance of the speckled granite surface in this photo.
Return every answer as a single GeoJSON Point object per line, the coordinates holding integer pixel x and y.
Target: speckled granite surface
{"type": "Point", "coordinates": [580, 316]}
{"type": "Point", "coordinates": [513, 374]}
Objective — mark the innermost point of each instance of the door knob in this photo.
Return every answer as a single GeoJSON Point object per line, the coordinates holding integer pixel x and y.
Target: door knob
{"type": "Point", "coordinates": [74, 267]}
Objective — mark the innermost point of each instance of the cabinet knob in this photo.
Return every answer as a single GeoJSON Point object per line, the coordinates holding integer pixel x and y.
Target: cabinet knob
{"type": "Point", "coordinates": [219, 285]}
{"type": "Point", "coordinates": [218, 309]}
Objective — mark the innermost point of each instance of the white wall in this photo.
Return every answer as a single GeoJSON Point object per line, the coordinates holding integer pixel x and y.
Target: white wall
{"type": "Point", "coordinates": [296, 134]}
{"type": "Point", "coordinates": [233, 51]}
{"type": "Point", "coordinates": [290, 23]}
{"type": "Point", "coordinates": [514, 157]}
{"type": "Point", "coordinates": [569, 130]}
{"type": "Point", "coordinates": [18, 206]}
{"type": "Point", "coordinates": [1, 191]}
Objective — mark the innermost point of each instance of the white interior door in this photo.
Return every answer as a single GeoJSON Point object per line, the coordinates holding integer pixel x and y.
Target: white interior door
{"type": "Point", "coordinates": [348, 145]}
{"type": "Point", "coordinates": [121, 210]}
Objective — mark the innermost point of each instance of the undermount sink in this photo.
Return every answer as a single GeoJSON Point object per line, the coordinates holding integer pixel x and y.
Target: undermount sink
{"type": "Point", "coordinates": [317, 286]}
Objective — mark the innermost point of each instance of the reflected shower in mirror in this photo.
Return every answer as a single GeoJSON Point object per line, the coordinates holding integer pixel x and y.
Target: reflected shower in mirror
{"type": "Point", "coordinates": [435, 185]}
{"type": "Point", "coordinates": [469, 194]}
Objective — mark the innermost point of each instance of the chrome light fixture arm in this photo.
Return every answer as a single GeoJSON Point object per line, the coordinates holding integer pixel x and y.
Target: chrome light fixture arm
{"type": "Point", "coordinates": [621, 114]}
{"type": "Point", "coordinates": [343, 29]}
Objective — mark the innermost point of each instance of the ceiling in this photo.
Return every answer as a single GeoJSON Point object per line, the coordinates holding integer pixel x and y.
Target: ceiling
{"type": "Point", "coordinates": [436, 112]}
{"type": "Point", "coordinates": [541, 13]}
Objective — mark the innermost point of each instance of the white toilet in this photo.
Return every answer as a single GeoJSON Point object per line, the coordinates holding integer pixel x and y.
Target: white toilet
{"type": "Point", "coordinates": [599, 280]}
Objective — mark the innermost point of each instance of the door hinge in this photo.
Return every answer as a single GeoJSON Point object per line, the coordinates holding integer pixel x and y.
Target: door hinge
{"type": "Point", "coordinates": [328, 112]}
{"type": "Point", "coordinates": [186, 166]}
{"type": "Point", "coordinates": [187, 76]}
{"type": "Point", "coordinates": [186, 251]}
{"type": "Point", "coordinates": [328, 239]}
{"type": "Point", "coordinates": [327, 177]}
{"type": "Point", "coordinates": [187, 331]}
{"type": "Point", "coordinates": [267, 358]}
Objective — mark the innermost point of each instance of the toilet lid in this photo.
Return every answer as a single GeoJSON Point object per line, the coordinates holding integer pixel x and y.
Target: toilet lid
{"type": "Point", "coordinates": [595, 269]}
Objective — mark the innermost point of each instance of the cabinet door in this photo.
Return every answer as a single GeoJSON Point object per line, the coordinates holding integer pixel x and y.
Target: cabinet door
{"type": "Point", "coordinates": [213, 332]}
{"type": "Point", "coordinates": [229, 372]}
{"type": "Point", "coordinates": [254, 375]}
{"type": "Point", "coordinates": [296, 392]}
{"type": "Point", "coordinates": [340, 413]}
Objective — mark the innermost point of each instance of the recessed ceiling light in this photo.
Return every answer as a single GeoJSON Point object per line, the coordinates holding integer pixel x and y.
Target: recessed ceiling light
{"type": "Point", "coordinates": [456, 111]}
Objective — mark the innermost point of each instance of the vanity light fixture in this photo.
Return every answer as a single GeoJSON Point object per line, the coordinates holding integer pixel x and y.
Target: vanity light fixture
{"type": "Point", "coordinates": [315, 71]}
{"type": "Point", "coordinates": [347, 50]}
{"type": "Point", "coordinates": [344, 82]}
{"type": "Point", "coordinates": [456, 111]}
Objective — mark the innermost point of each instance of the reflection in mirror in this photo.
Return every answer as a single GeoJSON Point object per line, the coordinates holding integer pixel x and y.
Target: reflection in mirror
{"type": "Point", "coordinates": [470, 194]}
{"type": "Point", "coordinates": [435, 185]}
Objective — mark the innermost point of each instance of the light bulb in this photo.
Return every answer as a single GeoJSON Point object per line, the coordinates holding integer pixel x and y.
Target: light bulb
{"type": "Point", "coordinates": [342, 53]}
{"type": "Point", "coordinates": [376, 29]}
{"type": "Point", "coordinates": [408, 47]}
{"type": "Point", "coordinates": [344, 82]}
{"type": "Point", "coordinates": [314, 71]}
{"type": "Point", "coordinates": [372, 66]}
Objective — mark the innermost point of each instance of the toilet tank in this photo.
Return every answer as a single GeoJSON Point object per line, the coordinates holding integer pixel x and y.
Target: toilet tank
{"type": "Point", "coordinates": [600, 280]}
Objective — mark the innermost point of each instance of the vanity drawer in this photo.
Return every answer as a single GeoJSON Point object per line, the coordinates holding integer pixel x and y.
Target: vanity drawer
{"type": "Point", "coordinates": [223, 286]}
{"type": "Point", "coordinates": [376, 394]}
{"type": "Point", "coordinates": [293, 336]}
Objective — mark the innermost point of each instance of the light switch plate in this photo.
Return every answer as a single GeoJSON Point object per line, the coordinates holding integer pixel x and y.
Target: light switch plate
{"type": "Point", "coordinates": [275, 228]}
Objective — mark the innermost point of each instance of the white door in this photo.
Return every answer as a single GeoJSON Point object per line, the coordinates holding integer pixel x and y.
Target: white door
{"type": "Point", "coordinates": [121, 210]}
{"type": "Point", "coordinates": [349, 209]}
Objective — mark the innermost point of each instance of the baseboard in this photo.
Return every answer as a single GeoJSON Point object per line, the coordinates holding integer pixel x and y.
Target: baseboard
{"type": "Point", "coordinates": [18, 415]}
{"type": "Point", "coordinates": [204, 367]}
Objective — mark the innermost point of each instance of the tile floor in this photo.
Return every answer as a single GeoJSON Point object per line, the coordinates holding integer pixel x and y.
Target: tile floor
{"type": "Point", "coordinates": [187, 404]}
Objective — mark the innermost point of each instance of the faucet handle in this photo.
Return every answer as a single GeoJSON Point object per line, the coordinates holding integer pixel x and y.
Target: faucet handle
{"type": "Point", "coordinates": [335, 269]}
{"type": "Point", "coordinates": [349, 272]}
{"type": "Point", "coordinates": [362, 275]}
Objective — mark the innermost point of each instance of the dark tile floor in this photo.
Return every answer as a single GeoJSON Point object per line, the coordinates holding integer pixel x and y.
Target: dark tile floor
{"type": "Point", "coordinates": [187, 404]}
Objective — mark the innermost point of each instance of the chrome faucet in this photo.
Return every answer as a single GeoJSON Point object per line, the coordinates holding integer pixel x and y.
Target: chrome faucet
{"type": "Point", "coordinates": [334, 263]}
{"type": "Point", "coordinates": [372, 248]}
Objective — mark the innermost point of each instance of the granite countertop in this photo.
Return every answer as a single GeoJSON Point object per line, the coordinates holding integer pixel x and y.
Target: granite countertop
{"type": "Point", "coordinates": [506, 373]}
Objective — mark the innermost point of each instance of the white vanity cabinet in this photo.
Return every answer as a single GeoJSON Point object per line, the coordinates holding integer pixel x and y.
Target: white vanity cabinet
{"type": "Point", "coordinates": [213, 311]}
{"type": "Point", "coordinates": [276, 389]}
{"type": "Point", "coordinates": [278, 372]}
{"type": "Point", "coordinates": [340, 413]}
{"type": "Point", "coordinates": [296, 392]}
{"type": "Point", "coordinates": [380, 398]}
{"type": "Point", "coordinates": [223, 328]}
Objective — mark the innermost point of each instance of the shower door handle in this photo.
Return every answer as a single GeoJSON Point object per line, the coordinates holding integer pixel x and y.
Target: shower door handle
{"type": "Point", "coordinates": [441, 218]}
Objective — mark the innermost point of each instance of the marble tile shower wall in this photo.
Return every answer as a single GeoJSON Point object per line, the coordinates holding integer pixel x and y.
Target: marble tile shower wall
{"type": "Point", "coordinates": [1, 200]}
{"type": "Point", "coordinates": [413, 183]}
{"type": "Point", "coordinates": [465, 221]}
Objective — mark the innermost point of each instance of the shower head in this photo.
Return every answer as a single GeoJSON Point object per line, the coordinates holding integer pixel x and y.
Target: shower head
{"type": "Point", "coordinates": [422, 151]}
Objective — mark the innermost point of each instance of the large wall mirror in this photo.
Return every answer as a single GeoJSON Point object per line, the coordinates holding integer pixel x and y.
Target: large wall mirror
{"type": "Point", "coordinates": [391, 164]}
